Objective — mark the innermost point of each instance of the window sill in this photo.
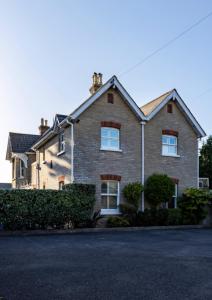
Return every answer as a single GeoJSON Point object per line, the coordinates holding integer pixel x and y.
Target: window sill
{"type": "Point", "coordinates": [112, 150]}
{"type": "Point", "coordinates": [106, 212]}
{"type": "Point", "coordinates": [171, 155]}
{"type": "Point", "coordinates": [60, 153]}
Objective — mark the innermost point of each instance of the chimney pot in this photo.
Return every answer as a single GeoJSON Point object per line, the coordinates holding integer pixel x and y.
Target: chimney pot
{"type": "Point", "coordinates": [43, 126]}
{"type": "Point", "coordinates": [97, 82]}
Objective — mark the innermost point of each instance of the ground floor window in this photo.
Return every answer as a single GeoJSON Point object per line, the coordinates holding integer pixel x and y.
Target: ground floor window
{"type": "Point", "coordinates": [173, 202]}
{"type": "Point", "coordinates": [109, 196]}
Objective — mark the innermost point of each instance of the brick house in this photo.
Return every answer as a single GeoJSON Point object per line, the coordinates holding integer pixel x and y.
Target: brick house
{"type": "Point", "coordinates": [109, 141]}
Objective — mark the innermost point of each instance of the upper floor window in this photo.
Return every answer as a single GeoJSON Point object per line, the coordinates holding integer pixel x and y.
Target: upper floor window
{"type": "Point", "coordinates": [110, 138]}
{"type": "Point", "coordinates": [169, 145]}
{"type": "Point", "coordinates": [110, 98]}
{"type": "Point", "coordinates": [61, 147]}
{"type": "Point", "coordinates": [21, 168]}
{"type": "Point", "coordinates": [61, 184]}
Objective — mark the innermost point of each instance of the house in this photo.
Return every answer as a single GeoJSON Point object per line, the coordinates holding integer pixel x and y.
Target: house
{"type": "Point", "coordinates": [110, 141]}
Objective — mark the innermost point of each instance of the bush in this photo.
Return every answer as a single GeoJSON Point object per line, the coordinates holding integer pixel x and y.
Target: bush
{"type": "Point", "coordinates": [116, 221]}
{"type": "Point", "coordinates": [159, 188]}
{"type": "Point", "coordinates": [174, 217]}
{"type": "Point", "coordinates": [193, 205]}
{"type": "Point", "coordinates": [132, 193]}
{"type": "Point", "coordinates": [160, 217]}
{"type": "Point", "coordinates": [31, 209]}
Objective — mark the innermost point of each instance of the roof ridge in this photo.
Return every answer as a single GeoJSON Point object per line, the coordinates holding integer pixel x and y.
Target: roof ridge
{"type": "Point", "coordinates": [169, 92]}
{"type": "Point", "coordinates": [23, 133]}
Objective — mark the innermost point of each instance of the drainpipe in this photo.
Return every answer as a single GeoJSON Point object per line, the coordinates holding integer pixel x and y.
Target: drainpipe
{"type": "Point", "coordinates": [72, 149]}
{"type": "Point", "coordinates": [142, 163]}
{"type": "Point", "coordinates": [198, 140]}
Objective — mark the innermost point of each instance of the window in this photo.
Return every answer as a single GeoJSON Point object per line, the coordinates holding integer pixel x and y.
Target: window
{"type": "Point", "coordinates": [109, 138]}
{"type": "Point", "coordinates": [169, 145]}
{"type": "Point", "coordinates": [61, 142]}
{"type": "Point", "coordinates": [109, 197]}
{"type": "Point", "coordinates": [21, 168]}
{"type": "Point", "coordinates": [61, 184]}
{"type": "Point", "coordinates": [173, 202]}
{"type": "Point", "coordinates": [169, 108]}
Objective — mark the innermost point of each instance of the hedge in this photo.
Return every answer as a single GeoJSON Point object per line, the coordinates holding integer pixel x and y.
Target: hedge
{"type": "Point", "coordinates": [87, 189]}
{"type": "Point", "coordinates": [33, 209]}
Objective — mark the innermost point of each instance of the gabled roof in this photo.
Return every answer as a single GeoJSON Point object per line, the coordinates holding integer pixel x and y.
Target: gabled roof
{"type": "Point", "coordinates": [153, 107]}
{"type": "Point", "coordinates": [112, 82]}
{"type": "Point", "coordinates": [60, 117]}
{"type": "Point", "coordinates": [20, 143]}
{"type": "Point", "coordinates": [150, 106]}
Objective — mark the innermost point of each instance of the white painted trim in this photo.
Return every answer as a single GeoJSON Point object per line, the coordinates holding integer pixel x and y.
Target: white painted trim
{"type": "Point", "coordinates": [113, 81]}
{"type": "Point", "coordinates": [42, 140]}
{"type": "Point", "coordinates": [110, 212]}
{"type": "Point", "coordinates": [176, 97]}
{"type": "Point", "coordinates": [111, 150]}
{"type": "Point", "coordinates": [61, 152]}
{"type": "Point", "coordinates": [170, 155]}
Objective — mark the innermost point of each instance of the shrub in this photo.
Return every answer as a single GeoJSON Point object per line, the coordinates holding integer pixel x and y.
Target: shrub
{"type": "Point", "coordinates": [132, 193]}
{"type": "Point", "coordinates": [116, 221]}
{"type": "Point", "coordinates": [30, 209]}
{"type": "Point", "coordinates": [174, 217]}
{"type": "Point", "coordinates": [159, 188]}
{"type": "Point", "coordinates": [160, 217]}
{"type": "Point", "coordinates": [193, 205]}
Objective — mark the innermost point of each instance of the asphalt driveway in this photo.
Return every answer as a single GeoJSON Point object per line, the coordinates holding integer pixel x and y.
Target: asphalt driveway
{"type": "Point", "coordinates": [173, 264]}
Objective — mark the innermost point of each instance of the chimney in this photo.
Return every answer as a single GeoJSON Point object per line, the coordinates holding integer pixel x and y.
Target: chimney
{"type": "Point", "coordinates": [43, 126]}
{"type": "Point", "coordinates": [97, 82]}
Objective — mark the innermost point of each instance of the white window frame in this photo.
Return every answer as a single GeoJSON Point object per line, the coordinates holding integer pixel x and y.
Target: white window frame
{"type": "Point", "coordinates": [175, 195]}
{"type": "Point", "coordinates": [110, 138]}
{"type": "Point", "coordinates": [62, 143]}
{"type": "Point", "coordinates": [170, 145]}
{"type": "Point", "coordinates": [21, 169]}
{"type": "Point", "coordinates": [110, 211]}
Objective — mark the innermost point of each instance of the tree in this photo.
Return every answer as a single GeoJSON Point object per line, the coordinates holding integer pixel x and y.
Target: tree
{"type": "Point", "coordinates": [205, 160]}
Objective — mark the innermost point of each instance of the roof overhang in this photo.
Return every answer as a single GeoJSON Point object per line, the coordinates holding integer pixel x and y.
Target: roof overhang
{"type": "Point", "coordinates": [113, 82]}
{"type": "Point", "coordinates": [174, 96]}
{"type": "Point", "coordinates": [43, 140]}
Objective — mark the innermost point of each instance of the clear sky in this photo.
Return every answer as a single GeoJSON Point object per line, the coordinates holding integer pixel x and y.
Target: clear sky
{"type": "Point", "coordinates": [49, 50]}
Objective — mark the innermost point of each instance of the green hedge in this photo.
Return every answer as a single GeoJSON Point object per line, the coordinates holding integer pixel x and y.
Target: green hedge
{"type": "Point", "coordinates": [31, 209]}
{"type": "Point", "coordinates": [87, 189]}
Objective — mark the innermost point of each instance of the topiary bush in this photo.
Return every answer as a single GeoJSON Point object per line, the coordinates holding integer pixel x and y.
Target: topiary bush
{"type": "Point", "coordinates": [159, 188]}
{"type": "Point", "coordinates": [132, 193]}
{"type": "Point", "coordinates": [117, 221]}
{"type": "Point", "coordinates": [31, 209]}
{"type": "Point", "coordinates": [193, 205]}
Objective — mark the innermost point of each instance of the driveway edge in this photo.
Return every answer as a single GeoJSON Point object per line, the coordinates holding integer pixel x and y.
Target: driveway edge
{"type": "Point", "coordinates": [96, 230]}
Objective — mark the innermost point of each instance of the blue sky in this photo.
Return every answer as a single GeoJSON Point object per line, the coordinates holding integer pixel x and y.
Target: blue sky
{"type": "Point", "coordinates": [49, 50]}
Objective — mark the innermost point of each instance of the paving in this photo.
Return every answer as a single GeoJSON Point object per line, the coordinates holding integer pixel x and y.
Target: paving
{"type": "Point", "coordinates": [156, 264]}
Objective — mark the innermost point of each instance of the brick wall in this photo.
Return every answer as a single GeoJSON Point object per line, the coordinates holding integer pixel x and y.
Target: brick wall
{"type": "Point", "coordinates": [89, 161]}
{"type": "Point", "coordinates": [184, 167]}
